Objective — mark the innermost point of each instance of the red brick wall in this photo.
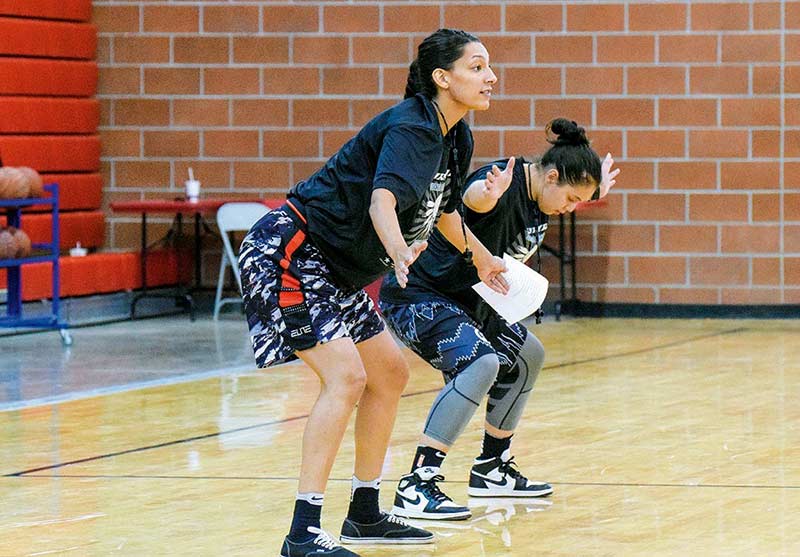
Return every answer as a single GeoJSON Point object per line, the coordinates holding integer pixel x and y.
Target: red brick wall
{"type": "Point", "coordinates": [698, 101]}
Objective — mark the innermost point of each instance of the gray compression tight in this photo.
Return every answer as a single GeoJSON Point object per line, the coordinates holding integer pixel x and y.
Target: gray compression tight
{"type": "Point", "coordinates": [508, 393]}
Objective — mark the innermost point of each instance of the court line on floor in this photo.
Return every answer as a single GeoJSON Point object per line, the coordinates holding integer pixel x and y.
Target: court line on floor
{"type": "Point", "coordinates": [651, 349]}
{"type": "Point", "coordinates": [387, 480]}
{"type": "Point", "coordinates": [116, 389]}
{"type": "Point", "coordinates": [303, 416]}
{"type": "Point", "coordinates": [156, 446]}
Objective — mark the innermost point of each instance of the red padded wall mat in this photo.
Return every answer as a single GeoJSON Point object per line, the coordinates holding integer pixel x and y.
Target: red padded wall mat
{"type": "Point", "coordinates": [48, 39]}
{"type": "Point", "coordinates": [86, 227]}
{"type": "Point", "coordinates": [23, 115]}
{"type": "Point", "coordinates": [47, 153]}
{"type": "Point", "coordinates": [57, 78]}
{"type": "Point", "coordinates": [99, 273]}
{"type": "Point", "coordinates": [75, 191]}
{"type": "Point", "coordinates": [72, 10]}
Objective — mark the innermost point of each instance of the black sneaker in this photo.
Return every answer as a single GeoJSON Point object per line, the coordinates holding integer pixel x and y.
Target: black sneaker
{"type": "Point", "coordinates": [388, 530]}
{"type": "Point", "coordinates": [322, 545]}
{"type": "Point", "coordinates": [499, 477]}
{"type": "Point", "coordinates": [418, 496]}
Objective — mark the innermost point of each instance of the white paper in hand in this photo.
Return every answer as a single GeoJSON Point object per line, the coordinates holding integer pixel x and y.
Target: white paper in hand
{"type": "Point", "coordinates": [526, 291]}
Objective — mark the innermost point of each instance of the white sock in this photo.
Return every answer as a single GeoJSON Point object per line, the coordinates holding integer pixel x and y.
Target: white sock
{"type": "Point", "coordinates": [313, 498]}
{"type": "Point", "coordinates": [374, 484]}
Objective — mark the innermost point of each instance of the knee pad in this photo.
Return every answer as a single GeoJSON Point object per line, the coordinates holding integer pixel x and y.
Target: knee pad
{"type": "Point", "coordinates": [532, 356]}
{"type": "Point", "coordinates": [475, 380]}
{"type": "Point", "coordinates": [508, 397]}
{"type": "Point", "coordinates": [456, 403]}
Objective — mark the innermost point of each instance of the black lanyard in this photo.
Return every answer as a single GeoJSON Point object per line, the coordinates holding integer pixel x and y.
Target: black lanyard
{"type": "Point", "coordinates": [457, 177]}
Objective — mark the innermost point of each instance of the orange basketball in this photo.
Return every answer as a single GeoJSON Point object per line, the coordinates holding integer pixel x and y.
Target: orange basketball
{"type": "Point", "coordinates": [22, 240]}
{"type": "Point", "coordinates": [35, 183]}
{"type": "Point", "coordinates": [4, 178]}
{"type": "Point", "coordinates": [13, 183]}
{"type": "Point", "coordinates": [8, 246]}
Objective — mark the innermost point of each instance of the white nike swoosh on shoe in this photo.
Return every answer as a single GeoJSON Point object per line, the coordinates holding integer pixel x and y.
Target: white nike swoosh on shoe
{"type": "Point", "coordinates": [420, 503]}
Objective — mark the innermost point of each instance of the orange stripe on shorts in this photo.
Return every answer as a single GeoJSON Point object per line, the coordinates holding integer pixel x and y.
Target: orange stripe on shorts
{"type": "Point", "coordinates": [295, 295]}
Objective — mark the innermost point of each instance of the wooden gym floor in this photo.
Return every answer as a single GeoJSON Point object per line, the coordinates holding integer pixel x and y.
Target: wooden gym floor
{"type": "Point", "coordinates": [158, 437]}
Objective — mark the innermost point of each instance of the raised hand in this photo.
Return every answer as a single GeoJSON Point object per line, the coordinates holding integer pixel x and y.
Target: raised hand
{"type": "Point", "coordinates": [497, 181]}
{"type": "Point", "coordinates": [608, 176]}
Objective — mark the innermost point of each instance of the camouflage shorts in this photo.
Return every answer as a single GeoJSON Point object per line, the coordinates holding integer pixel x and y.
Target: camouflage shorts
{"type": "Point", "coordinates": [290, 300]}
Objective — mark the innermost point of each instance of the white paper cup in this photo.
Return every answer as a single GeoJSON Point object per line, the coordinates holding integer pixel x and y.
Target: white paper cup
{"type": "Point", "coordinates": [192, 189]}
{"type": "Point", "coordinates": [78, 251]}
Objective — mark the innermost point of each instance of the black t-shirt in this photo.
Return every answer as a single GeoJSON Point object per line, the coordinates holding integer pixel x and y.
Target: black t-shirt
{"type": "Point", "coordinates": [401, 150]}
{"type": "Point", "coordinates": [510, 227]}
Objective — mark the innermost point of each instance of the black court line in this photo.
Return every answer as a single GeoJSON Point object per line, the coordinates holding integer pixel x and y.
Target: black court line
{"type": "Point", "coordinates": [301, 417]}
{"type": "Point", "coordinates": [769, 330]}
{"type": "Point", "coordinates": [390, 480]}
{"type": "Point", "coordinates": [156, 446]}
{"type": "Point", "coordinates": [704, 486]}
{"type": "Point", "coordinates": [650, 349]}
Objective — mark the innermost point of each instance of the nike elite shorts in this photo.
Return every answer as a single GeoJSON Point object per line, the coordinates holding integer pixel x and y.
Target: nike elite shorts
{"type": "Point", "coordinates": [289, 299]}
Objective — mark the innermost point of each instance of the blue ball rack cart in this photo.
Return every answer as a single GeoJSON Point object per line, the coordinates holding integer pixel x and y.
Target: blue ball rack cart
{"type": "Point", "coordinates": [41, 252]}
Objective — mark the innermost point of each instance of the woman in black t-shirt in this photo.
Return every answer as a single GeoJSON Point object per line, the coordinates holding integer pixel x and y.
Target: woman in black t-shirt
{"type": "Point", "coordinates": [441, 318]}
{"type": "Point", "coordinates": [369, 209]}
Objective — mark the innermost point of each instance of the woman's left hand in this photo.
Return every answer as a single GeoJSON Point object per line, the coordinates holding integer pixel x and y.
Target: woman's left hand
{"type": "Point", "coordinates": [608, 176]}
{"type": "Point", "coordinates": [497, 181]}
{"type": "Point", "coordinates": [490, 273]}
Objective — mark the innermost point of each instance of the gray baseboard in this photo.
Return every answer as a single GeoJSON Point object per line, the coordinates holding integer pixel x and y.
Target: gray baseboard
{"type": "Point", "coordinates": [681, 311]}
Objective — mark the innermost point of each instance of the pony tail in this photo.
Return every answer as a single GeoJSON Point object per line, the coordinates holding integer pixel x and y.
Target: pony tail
{"type": "Point", "coordinates": [414, 82]}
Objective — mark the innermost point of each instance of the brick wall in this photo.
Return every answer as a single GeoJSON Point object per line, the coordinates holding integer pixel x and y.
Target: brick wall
{"type": "Point", "coordinates": [698, 101]}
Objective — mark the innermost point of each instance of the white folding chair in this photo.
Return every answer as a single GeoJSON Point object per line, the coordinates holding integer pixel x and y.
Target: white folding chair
{"type": "Point", "coordinates": [232, 217]}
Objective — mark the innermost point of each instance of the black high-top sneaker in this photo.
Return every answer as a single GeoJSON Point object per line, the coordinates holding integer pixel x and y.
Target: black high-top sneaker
{"type": "Point", "coordinates": [499, 477]}
{"type": "Point", "coordinates": [418, 496]}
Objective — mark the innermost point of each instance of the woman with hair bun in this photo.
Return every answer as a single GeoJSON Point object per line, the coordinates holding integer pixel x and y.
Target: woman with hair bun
{"type": "Point", "coordinates": [443, 320]}
{"type": "Point", "coordinates": [368, 210]}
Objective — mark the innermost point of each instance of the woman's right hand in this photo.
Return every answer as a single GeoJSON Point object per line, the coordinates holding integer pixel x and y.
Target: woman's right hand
{"type": "Point", "coordinates": [403, 257]}
{"type": "Point", "coordinates": [490, 271]}
{"type": "Point", "coordinates": [608, 176]}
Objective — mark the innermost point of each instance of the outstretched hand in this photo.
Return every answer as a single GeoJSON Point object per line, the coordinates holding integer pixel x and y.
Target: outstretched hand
{"type": "Point", "coordinates": [608, 176]}
{"type": "Point", "coordinates": [497, 181]}
{"type": "Point", "coordinates": [404, 257]}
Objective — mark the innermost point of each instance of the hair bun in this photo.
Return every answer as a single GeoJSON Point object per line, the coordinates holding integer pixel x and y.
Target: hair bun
{"type": "Point", "coordinates": [565, 132]}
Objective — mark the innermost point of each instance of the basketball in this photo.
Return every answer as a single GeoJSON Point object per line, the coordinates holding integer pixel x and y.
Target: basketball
{"type": "Point", "coordinates": [34, 180]}
{"type": "Point", "coordinates": [13, 183]}
{"type": "Point", "coordinates": [22, 241]}
{"type": "Point", "coordinates": [8, 245]}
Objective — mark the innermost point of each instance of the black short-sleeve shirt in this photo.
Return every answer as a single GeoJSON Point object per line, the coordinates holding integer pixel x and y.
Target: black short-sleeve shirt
{"type": "Point", "coordinates": [401, 150]}
{"type": "Point", "coordinates": [514, 226]}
